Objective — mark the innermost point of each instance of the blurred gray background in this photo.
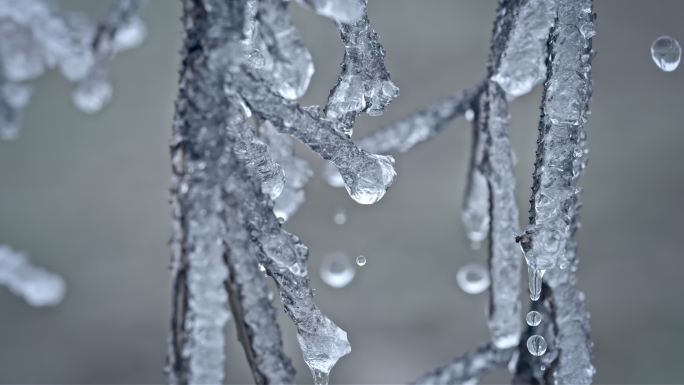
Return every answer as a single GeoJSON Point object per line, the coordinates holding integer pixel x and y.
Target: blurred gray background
{"type": "Point", "coordinates": [86, 196]}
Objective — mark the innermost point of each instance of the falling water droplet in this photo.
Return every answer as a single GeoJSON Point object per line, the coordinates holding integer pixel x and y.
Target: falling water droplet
{"type": "Point", "coordinates": [535, 280]}
{"type": "Point", "coordinates": [340, 217]}
{"type": "Point", "coordinates": [536, 345]}
{"type": "Point", "coordinates": [320, 377]}
{"type": "Point", "coordinates": [666, 53]}
{"type": "Point", "coordinates": [533, 318]}
{"type": "Point", "coordinates": [472, 278]}
{"type": "Point", "coordinates": [337, 270]}
{"type": "Point", "coordinates": [361, 260]}
{"type": "Point", "coordinates": [469, 115]}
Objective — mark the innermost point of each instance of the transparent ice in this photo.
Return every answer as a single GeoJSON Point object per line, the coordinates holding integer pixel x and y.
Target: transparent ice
{"type": "Point", "coordinates": [666, 53]}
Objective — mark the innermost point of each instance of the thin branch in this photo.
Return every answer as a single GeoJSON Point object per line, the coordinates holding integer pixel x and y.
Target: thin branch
{"type": "Point", "coordinates": [469, 367]}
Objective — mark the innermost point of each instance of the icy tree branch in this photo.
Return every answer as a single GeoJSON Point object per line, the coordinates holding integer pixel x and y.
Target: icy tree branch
{"type": "Point", "coordinates": [364, 83]}
{"type": "Point", "coordinates": [366, 176]}
{"type": "Point", "coordinates": [35, 285]}
{"type": "Point", "coordinates": [468, 368]}
{"type": "Point", "coordinates": [504, 256]}
{"type": "Point", "coordinates": [38, 36]}
{"type": "Point", "coordinates": [549, 242]}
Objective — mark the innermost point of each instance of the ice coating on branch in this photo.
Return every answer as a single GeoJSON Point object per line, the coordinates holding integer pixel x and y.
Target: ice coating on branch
{"type": "Point", "coordinates": [255, 316]}
{"type": "Point", "coordinates": [37, 36]}
{"type": "Point", "coordinates": [287, 63]}
{"type": "Point", "coordinates": [520, 65]}
{"type": "Point", "coordinates": [37, 286]}
{"type": "Point", "coordinates": [341, 11]}
{"type": "Point", "coordinates": [366, 176]}
{"type": "Point", "coordinates": [420, 126]}
{"type": "Point", "coordinates": [562, 153]}
{"type": "Point", "coordinates": [468, 368]}
{"type": "Point", "coordinates": [561, 145]}
{"type": "Point", "coordinates": [364, 83]}
{"type": "Point", "coordinates": [401, 136]}
{"type": "Point", "coordinates": [504, 258]}
{"type": "Point", "coordinates": [208, 301]}
{"type": "Point", "coordinates": [256, 157]}
{"type": "Point", "coordinates": [285, 259]}
{"type": "Point", "coordinates": [297, 171]}
{"type": "Point", "coordinates": [475, 215]}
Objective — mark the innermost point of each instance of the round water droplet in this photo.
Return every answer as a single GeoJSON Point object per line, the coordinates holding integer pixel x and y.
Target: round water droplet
{"type": "Point", "coordinates": [666, 53]}
{"type": "Point", "coordinates": [469, 115]}
{"type": "Point", "coordinates": [536, 345]}
{"type": "Point", "coordinates": [337, 270]}
{"type": "Point", "coordinates": [533, 318]}
{"type": "Point", "coordinates": [369, 183]}
{"type": "Point", "coordinates": [340, 217]}
{"type": "Point", "coordinates": [361, 260]}
{"type": "Point", "coordinates": [473, 278]}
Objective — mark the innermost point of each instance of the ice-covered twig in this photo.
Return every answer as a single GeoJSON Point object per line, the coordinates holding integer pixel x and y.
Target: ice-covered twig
{"type": "Point", "coordinates": [367, 176]}
{"type": "Point", "coordinates": [285, 258]}
{"type": "Point", "coordinates": [37, 36]}
{"type": "Point", "coordinates": [401, 136]}
{"type": "Point", "coordinates": [199, 303]}
{"type": "Point", "coordinates": [561, 147]}
{"type": "Point", "coordinates": [364, 83]}
{"type": "Point", "coordinates": [297, 171]}
{"type": "Point", "coordinates": [504, 256]}
{"type": "Point", "coordinates": [281, 59]}
{"type": "Point", "coordinates": [468, 368]}
{"type": "Point", "coordinates": [475, 214]}
{"type": "Point", "coordinates": [550, 240]}
{"type": "Point", "coordinates": [255, 317]}
{"type": "Point", "coordinates": [517, 61]}
{"type": "Point", "coordinates": [35, 285]}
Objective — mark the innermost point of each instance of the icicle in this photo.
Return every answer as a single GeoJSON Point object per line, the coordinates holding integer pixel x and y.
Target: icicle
{"type": "Point", "coordinates": [35, 285]}
{"type": "Point", "coordinates": [475, 215]}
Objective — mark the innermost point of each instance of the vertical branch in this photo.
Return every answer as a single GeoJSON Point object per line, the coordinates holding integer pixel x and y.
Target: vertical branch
{"type": "Point", "coordinates": [505, 260]}
{"type": "Point", "coordinates": [549, 242]}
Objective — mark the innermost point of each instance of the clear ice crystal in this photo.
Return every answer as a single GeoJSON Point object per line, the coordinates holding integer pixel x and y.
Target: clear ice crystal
{"type": "Point", "coordinates": [37, 286]}
{"type": "Point", "coordinates": [533, 318]}
{"type": "Point", "coordinates": [364, 83]}
{"type": "Point", "coordinates": [337, 270]}
{"type": "Point", "coordinates": [521, 64]}
{"type": "Point", "coordinates": [473, 278]}
{"type": "Point", "coordinates": [287, 63]}
{"type": "Point", "coordinates": [296, 171]}
{"type": "Point", "coordinates": [666, 53]}
{"type": "Point", "coordinates": [341, 11]}
{"type": "Point", "coordinates": [536, 345]}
